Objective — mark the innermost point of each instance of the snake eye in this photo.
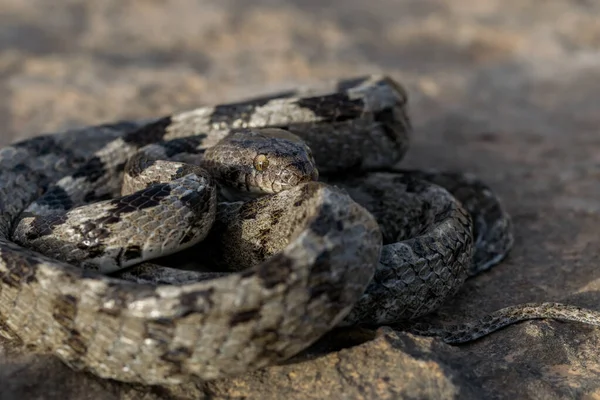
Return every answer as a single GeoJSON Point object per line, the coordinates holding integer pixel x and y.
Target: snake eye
{"type": "Point", "coordinates": [261, 162]}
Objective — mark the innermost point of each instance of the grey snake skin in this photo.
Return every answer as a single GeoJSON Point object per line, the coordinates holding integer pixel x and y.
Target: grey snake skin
{"type": "Point", "coordinates": [369, 244]}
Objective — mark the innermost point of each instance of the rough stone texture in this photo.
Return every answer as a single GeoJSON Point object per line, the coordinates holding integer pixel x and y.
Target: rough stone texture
{"type": "Point", "coordinates": [506, 89]}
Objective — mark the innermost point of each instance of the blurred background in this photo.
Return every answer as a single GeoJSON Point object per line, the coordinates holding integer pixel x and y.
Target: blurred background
{"type": "Point", "coordinates": [506, 89]}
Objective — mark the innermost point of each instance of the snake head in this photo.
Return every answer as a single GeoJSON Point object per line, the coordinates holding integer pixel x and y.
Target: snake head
{"type": "Point", "coordinates": [251, 162]}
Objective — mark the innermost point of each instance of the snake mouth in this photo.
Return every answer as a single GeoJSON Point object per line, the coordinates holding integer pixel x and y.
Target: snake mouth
{"type": "Point", "coordinates": [293, 175]}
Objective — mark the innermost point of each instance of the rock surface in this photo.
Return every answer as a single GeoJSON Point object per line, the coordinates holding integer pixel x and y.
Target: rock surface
{"type": "Point", "coordinates": [506, 89]}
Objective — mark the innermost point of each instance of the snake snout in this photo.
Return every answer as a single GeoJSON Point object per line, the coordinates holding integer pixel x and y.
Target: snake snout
{"type": "Point", "coordinates": [295, 174]}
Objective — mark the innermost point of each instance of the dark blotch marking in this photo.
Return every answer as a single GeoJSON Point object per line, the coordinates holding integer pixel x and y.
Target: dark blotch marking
{"type": "Point", "coordinates": [45, 145]}
{"type": "Point", "coordinates": [249, 210]}
{"type": "Point", "coordinates": [40, 146]}
{"type": "Point", "coordinates": [147, 134]}
{"type": "Point", "coordinates": [196, 302]}
{"type": "Point", "coordinates": [243, 317]}
{"type": "Point", "coordinates": [44, 225]}
{"type": "Point", "coordinates": [261, 250]}
{"type": "Point", "coordinates": [276, 271]}
{"type": "Point", "coordinates": [55, 198]}
{"type": "Point", "coordinates": [160, 330]}
{"type": "Point", "coordinates": [275, 216]}
{"type": "Point", "coordinates": [184, 145]}
{"type": "Point", "coordinates": [226, 115]}
{"type": "Point", "coordinates": [145, 198]}
{"type": "Point", "coordinates": [177, 355]}
{"type": "Point", "coordinates": [92, 170]}
{"type": "Point", "coordinates": [334, 107]}
{"type": "Point", "coordinates": [76, 342]}
{"type": "Point", "coordinates": [19, 272]}
{"type": "Point", "coordinates": [65, 310]}
{"type": "Point", "coordinates": [138, 163]}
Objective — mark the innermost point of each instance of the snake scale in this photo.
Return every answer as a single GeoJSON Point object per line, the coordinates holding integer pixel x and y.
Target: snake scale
{"type": "Point", "coordinates": [368, 244]}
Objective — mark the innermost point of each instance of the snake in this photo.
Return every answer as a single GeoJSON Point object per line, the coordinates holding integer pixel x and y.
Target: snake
{"type": "Point", "coordinates": [290, 208]}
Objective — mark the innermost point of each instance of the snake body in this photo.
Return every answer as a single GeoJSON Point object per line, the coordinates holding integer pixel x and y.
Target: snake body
{"type": "Point", "coordinates": [369, 245]}
{"type": "Point", "coordinates": [167, 205]}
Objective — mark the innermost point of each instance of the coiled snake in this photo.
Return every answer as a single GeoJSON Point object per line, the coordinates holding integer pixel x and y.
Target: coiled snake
{"type": "Point", "coordinates": [368, 244]}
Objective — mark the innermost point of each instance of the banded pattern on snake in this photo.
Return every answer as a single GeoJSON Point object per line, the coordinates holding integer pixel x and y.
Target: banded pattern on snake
{"type": "Point", "coordinates": [369, 244]}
